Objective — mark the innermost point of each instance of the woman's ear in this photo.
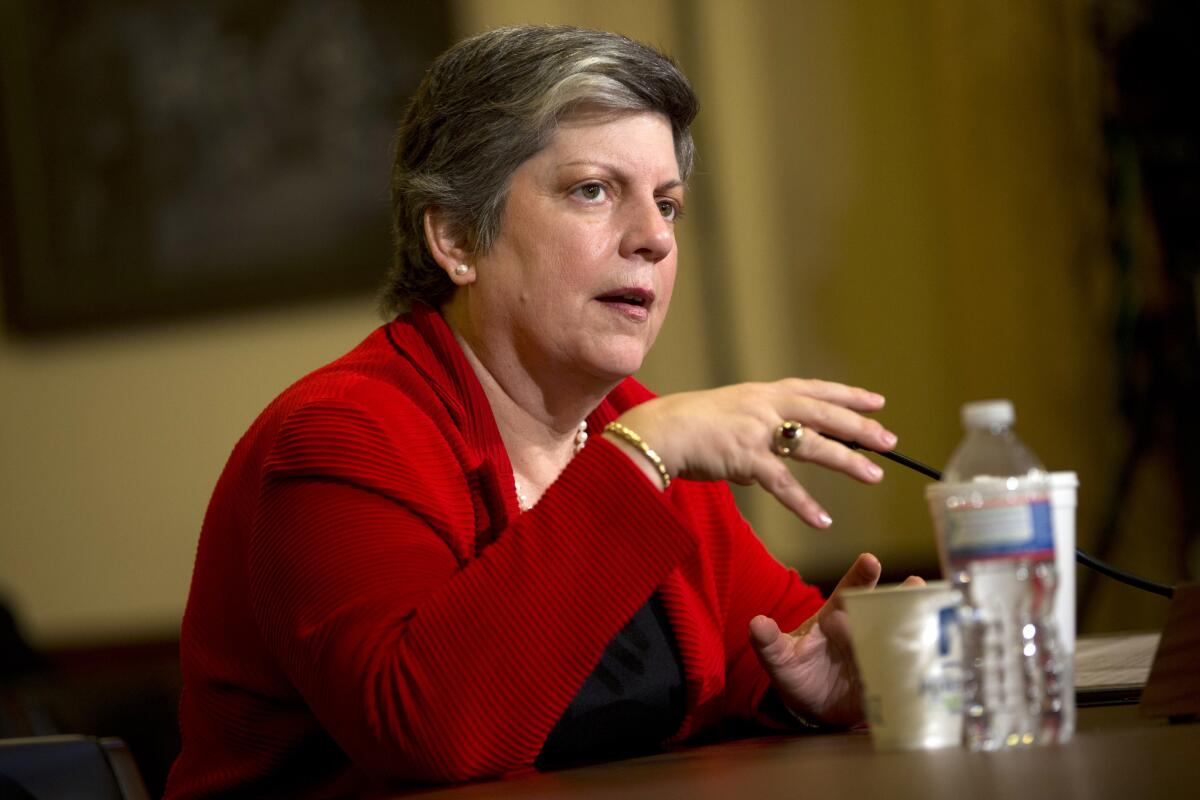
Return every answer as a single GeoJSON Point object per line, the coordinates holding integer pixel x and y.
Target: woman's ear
{"type": "Point", "coordinates": [447, 246]}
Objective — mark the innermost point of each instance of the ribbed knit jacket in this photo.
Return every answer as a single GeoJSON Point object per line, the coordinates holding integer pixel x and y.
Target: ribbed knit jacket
{"type": "Point", "coordinates": [369, 606]}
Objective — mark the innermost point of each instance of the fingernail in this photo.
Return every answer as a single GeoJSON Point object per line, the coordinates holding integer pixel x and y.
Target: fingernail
{"type": "Point", "coordinates": [889, 439]}
{"type": "Point", "coordinates": [874, 471]}
{"type": "Point", "coordinates": [826, 520]}
{"type": "Point", "coordinates": [878, 398]}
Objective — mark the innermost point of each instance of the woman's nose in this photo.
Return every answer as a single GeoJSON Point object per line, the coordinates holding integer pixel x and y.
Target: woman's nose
{"type": "Point", "coordinates": [647, 233]}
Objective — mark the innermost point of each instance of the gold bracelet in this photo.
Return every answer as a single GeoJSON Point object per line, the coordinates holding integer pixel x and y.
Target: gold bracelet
{"type": "Point", "coordinates": [643, 448]}
{"type": "Point", "coordinates": [773, 707]}
{"type": "Point", "coordinates": [802, 720]}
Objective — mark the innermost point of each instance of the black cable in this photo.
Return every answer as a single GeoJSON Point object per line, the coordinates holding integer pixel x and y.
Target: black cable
{"type": "Point", "coordinates": [900, 458]}
{"type": "Point", "coordinates": [1122, 576]}
{"type": "Point", "coordinates": [1081, 557]}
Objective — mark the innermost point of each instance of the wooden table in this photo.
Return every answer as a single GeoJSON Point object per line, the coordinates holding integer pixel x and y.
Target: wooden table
{"type": "Point", "coordinates": [1116, 753]}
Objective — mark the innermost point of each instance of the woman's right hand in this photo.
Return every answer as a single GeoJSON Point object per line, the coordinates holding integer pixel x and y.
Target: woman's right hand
{"type": "Point", "coordinates": [727, 434]}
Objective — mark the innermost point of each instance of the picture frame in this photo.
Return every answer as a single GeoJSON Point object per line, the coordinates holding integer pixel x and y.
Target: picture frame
{"type": "Point", "coordinates": [159, 160]}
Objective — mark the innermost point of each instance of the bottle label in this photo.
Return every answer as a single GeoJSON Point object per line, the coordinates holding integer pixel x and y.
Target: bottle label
{"type": "Point", "coordinates": [1000, 529]}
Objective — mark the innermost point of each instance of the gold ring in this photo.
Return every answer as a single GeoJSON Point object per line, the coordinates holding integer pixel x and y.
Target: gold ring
{"type": "Point", "coordinates": [787, 438]}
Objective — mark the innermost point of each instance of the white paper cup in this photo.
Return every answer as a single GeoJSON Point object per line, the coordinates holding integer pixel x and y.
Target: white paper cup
{"type": "Point", "coordinates": [1063, 488]}
{"type": "Point", "coordinates": [908, 647]}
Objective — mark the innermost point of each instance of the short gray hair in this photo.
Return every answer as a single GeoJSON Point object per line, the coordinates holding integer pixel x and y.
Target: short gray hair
{"type": "Point", "coordinates": [489, 103]}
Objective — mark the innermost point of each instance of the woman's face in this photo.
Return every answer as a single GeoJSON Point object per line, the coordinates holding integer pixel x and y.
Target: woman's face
{"type": "Point", "coordinates": [580, 276]}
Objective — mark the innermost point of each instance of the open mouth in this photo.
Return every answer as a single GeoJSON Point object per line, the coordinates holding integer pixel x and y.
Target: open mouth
{"type": "Point", "coordinates": [640, 298]}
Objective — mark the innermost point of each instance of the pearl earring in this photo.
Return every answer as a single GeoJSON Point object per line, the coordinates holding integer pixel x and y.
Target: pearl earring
{"type": "Point", "coordinates": [461, 269]}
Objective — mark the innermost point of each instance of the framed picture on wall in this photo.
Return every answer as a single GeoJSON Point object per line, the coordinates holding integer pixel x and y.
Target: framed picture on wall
{"type": "Point", "coordinates": [162, 159]}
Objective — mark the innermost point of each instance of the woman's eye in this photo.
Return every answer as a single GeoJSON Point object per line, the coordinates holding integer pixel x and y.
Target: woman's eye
{"type": "Point", "coordinates": [591, 191]}
{"type": "Point", "coordinates": [669, 210]}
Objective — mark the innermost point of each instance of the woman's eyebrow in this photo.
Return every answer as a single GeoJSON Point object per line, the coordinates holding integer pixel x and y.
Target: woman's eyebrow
{"type": "Point", "coordinates": [619, 173]}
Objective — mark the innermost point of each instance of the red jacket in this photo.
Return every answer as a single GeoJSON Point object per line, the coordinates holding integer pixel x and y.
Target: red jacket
{"type": "Point", "coordinates": [369, 605]}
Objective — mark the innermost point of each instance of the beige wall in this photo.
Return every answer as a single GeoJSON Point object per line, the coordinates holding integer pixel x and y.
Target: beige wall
{"type": "Point", "coordinates": [111, 446]}
{"type": "Point", "coordinates": [899, 195]}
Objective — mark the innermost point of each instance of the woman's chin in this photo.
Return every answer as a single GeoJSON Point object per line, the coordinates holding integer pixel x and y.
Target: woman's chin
{"type": "Point", "coordinates": [617, 364]}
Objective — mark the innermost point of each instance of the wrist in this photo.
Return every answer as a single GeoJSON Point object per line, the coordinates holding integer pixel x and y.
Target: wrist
{"type": "Point", "coordinates": [639, 452]}
{"type": "Point", "coordinates": [775, 709]}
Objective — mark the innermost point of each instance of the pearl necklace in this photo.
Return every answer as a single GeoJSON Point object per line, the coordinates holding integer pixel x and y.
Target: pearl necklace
{"type": "Point", "coordinates": [581, 437]}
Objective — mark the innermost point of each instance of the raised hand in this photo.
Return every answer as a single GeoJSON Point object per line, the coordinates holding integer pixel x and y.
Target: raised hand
{"type": "Point", "coordinates": [727, 434]}
{"type": "Point", "coordinates": [812, 668]}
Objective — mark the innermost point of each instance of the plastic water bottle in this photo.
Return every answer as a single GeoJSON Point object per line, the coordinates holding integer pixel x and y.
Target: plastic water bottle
{"type": "Point", "coordinates": [999, 548]}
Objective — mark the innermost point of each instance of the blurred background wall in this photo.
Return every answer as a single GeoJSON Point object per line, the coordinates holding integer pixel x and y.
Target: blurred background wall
{"type": "Point", "coordinates": [909, 196]}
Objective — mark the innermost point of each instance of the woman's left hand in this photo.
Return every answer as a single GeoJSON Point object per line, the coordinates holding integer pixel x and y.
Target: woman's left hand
{"type": "Point", "coordinates": [812, 668]}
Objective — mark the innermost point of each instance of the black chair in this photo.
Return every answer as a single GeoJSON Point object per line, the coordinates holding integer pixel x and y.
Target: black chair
{"type": "Point", "coordinates": [70, 768]}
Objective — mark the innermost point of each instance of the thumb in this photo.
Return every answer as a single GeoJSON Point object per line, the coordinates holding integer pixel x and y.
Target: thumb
{"type": "Point", "coordinates": [769, 642]}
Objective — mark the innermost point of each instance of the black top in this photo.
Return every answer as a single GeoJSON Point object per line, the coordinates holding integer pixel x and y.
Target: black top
{"type": "Point", "coordinates": [632, 701]}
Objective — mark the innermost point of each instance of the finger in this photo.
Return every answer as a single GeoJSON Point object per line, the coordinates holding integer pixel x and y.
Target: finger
{"type": "Point", "coordinates": [773, 475]}
{"type": "Point", "coordinates": [837, 627]}
{"type": "Point", "coordinates": [835, 420]}
{"type": "Point", "coordinates": [853, 397]}
{"type": "Point", "coordinates": [825, 452]}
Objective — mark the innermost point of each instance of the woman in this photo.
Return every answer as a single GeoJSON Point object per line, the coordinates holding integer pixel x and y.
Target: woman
{"type": "Point", "coordinates": [416, 565]}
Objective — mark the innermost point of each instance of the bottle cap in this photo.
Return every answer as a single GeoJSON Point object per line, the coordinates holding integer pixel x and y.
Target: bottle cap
{"type": "Point", "coordinates": [987, 413]}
